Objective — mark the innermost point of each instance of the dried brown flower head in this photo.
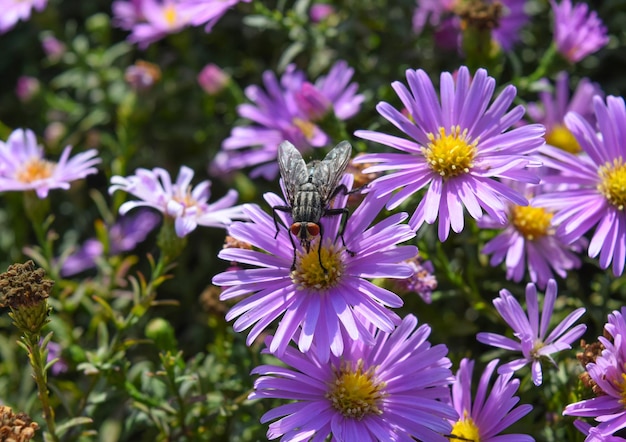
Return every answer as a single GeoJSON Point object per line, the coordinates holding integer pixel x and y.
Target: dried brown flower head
{"type": "Point", "coordinates": [16, 427]}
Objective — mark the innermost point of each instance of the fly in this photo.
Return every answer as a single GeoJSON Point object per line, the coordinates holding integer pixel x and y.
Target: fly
{"type": "Point", "coordinates": [310, 188]}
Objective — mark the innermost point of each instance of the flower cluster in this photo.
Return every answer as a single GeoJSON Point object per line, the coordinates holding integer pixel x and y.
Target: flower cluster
{"type": "Point", "coordinates": [287, 110]}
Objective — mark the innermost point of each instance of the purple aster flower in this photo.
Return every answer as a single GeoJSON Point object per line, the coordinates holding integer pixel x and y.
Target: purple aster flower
{"type": "Point", "coordinates": [286, 111]}
{"type": "Point", "coordinates": [188, 206]}
{"type": "Point", "coordinates": [396, 389]}
{"type": "Point", "coordinates": [16, 10]}
{"type": "Point", "coordinates": [531, 330]}
{"type": "Point", "coordinates": [53, 47]}
{"type": "Point", "coordinates": [325, 305]}
{"type": "Point", "coordinates": [23, 167]}
{"type": "Point", "coordinates": [578, 32]}
{"type": "Point", "coordinates": [206, 12]}
{"type": "Point", "coordinates": [123, 236]}
{"type": "Point", "coordinates": [608, 372]}
{"type": "Point", "coordinates": [595, 194]}
{"type": "Point", "coordinates": [460, 150]}
{"type": "Point", "coordinates": [529, 240]}
{"type": "Point", "coordinates": [490, 413]}
{"type": "Point", "coordinates": [161, 19]}
{"type": "Point", "coordinates": [444, 17]}
{"type": "Point", "coordinates": [554, 106]}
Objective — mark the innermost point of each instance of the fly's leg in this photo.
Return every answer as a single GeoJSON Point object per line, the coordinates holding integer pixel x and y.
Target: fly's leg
{"type": "Point", "coordinates": [344, 219]}
{"type": "Point", "coordinates": [286, 209]}
{"type": "Point", "coordinates": [319, 249]}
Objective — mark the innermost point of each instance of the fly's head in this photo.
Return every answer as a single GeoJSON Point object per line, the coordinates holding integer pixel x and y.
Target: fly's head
{"type": "Point", "coordinates": [305, 232]}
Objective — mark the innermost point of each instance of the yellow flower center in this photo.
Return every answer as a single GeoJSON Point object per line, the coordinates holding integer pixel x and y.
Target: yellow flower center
{"type": "Point", "coordinates": [465, 430]}
{"type": "Point", "coordinates": [356, 392]}
{"type": "Point", "coordinates": [613, 182]}
{"type": "Point", "coordinates": [561, 137]}
{"type": "Point", "coordinates": [306, 127]}
{"type": "Point", "coordinates": [450, 154]}
{"type": "Point", "coordinates": [531, 222]}
{"type": "Point", "coordinates": [35, 169]}
{"type": "Point", "coordinates": [170, 14]}
{"type": "Point", "coordinates": [310, 275]}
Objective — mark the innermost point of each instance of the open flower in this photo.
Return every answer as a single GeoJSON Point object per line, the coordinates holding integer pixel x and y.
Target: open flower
{"type": "Point", "coordinates": [396, 389]}
{"type": "Point", "coordinates": [460, 150]}
{"type": "Point", "coordinates": [608, 373]}
{"type": "Point", "coordinates": [326, 305]}
{"type": "Point", "coordinates": [188, 206]}
{"type": "Point", "coordinates": [529, 240]}
{"type": "Point", "coordinates": [531, 330]}
{"type": "Point", "coordinates": [161, 19]}
{"type": "Point", "coordinates": [555, 105]}
{"type": "Point", "coordinates": [287, 110]}
{"type": "Point", "coordinates": [578, 32]}
{"type": "Point", "coordinates": [592, 192]}
{"type": "Point", "coordinates": [490, 413]}
{"type": "Point", "coordinates": [23, 167]}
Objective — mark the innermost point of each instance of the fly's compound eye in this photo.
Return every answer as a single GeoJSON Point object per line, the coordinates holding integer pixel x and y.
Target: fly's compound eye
{"type": "Point", "coordinates": [312, 229]}
{"type": "Point", "coordinates": [295, 229]}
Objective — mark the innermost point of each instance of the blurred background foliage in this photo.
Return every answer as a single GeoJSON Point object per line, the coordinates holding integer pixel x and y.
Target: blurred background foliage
{"type": "Point", "coordinates": [166, 366]}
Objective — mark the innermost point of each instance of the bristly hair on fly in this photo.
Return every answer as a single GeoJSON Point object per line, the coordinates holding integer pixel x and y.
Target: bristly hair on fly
{"type": "Point", "coordinates": [309, 189]}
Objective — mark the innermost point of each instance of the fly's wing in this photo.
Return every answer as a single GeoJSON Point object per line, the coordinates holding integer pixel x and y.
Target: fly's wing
{"type": "Point", "coordinates": [328, 172]}
{"type": "Point", "coordinates": [292, 168]}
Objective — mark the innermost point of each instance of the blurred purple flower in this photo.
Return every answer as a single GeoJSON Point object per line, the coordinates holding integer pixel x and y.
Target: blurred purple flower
{"type": "Point", "coordinates": [16, 10]}
{"type": "Point", "coordinates": [161, 19]}
{"type": "Point", "coordinates": [529, 240]}
{"type": "Point", "coordinates": [53, 47]}
{"type": "Point", "coordinates": [578, 32]}
{"type": "Point", "coordinates": [554, 106]}
{"type": "Point", "coordinates": [26, 88]}
{"type": "Point", "coordinates": [213, 79]}
{"type": "Point", "coordinates": [394, 390]}
{"type": "Point", "coordinates": [327, 305]}
{"type": "Point", "coordinates": [423, 281]}
{"type": "Point", "coordinates": [188, 206]}
{"type": "Point", "coordinates": [206, 12]}
{"type": "Point", "coordinates": [23, 167]}
{"type": "Point", "coordinates": [443, 16]}
{"type": "Point", "coordinates": [608, 372]}
{"type": "Point", "coordinates": [592, 192]}
{"type": "Point", "coordinates": [123, 236]}
{"type": "Point", "coordinates": [491, 412]}
{"type": "Point", "coordinates": [460, 149]}
{"type": "Point", "coordinates": [320, 11]}
{"type": "Point", "coordinates": [54, 352]}
{"type": "Point", "coordinates": [286, 111]}
{"type": "Point", "coordinates": [531, 330]}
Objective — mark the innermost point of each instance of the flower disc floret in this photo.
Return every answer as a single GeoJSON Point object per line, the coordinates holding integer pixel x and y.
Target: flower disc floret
{"type": "Point", "coordinates": [450, 154]}
{"type": "Point", "coordinates": [613, 182]}
{"type": "Point", "coordinates": [356, 392]}
{"type": "Point", "coordinates": [531, 222]}
{"type": "Point", "coordinates": [309, 274]}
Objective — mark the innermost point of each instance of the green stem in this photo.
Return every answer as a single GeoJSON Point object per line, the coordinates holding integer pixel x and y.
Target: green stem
{"type": "Point", "coordinates": [35, 354]}
{"type": "Point", "coordinates": [546, 65]}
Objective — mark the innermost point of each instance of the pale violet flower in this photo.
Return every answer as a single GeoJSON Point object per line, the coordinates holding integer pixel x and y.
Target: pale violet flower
{"type": "Point", "coordinates": [188, 206]}
{"type": "Point", "coordinates": [531, 330]}
{"type": "Point", "coordinates": [23, 166]}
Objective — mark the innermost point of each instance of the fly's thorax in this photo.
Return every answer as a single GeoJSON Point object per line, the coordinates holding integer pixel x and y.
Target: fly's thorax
{"type": "Point", "coordinates": [307, 204]}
